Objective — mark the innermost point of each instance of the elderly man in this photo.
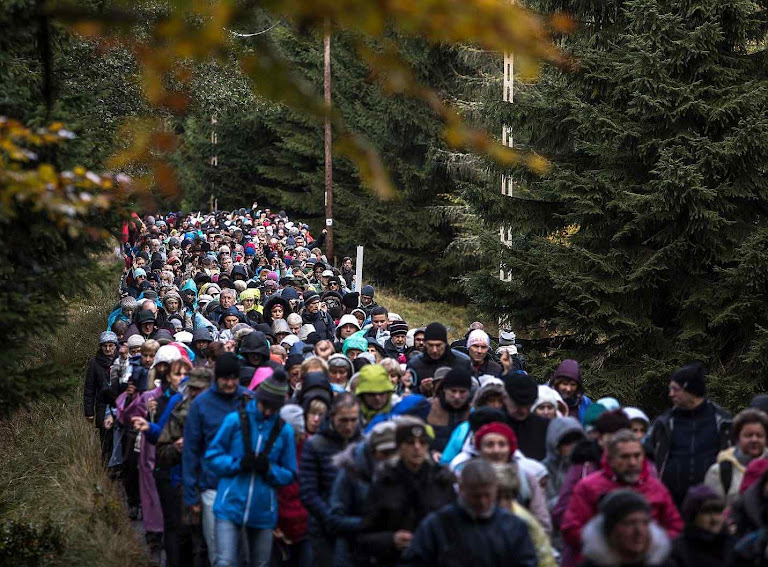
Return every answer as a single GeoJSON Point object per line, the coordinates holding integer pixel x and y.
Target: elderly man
{"type": "Point", "coordinates": [473, 531]}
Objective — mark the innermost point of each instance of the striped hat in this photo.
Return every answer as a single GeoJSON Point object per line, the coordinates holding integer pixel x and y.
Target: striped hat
{"type": "Point", "coordinates": [273, 391]}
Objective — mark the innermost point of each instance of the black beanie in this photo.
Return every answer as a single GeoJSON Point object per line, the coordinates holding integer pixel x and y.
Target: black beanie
{"type": "Point", "coordinates": [227, 365]}
{"type": "Point", "coordinates": [691, 379]}
{"type": "Point", "coordinates": [617, 505]}
{"type": "Point", "coordinates": [436, 332]}
{"type": "Point", "coordinates": [458, 377]}
{"type": "Point", "coordinates": [521, 388]}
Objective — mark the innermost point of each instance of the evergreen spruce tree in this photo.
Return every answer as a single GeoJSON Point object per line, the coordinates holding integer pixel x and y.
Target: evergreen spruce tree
{"type": "Point", "coordinates": [645, 246]}
{"type": "Point", "coordinates": [275, 156]}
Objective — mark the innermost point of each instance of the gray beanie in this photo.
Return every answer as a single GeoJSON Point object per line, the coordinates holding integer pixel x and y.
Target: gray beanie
{"type": "Point", "coordinates": [107, 337]}
{"type": "Point", "coordinates": [293, 414]}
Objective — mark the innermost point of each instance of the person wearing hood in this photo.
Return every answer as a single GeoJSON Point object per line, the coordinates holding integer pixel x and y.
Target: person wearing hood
{"type": "Point", "coordinates": [639, 421]}
{"type": "Point", "coordinates": [252, 455]}
{"type": "Point", "coordinates": [405, 491]}
{"type": "Point", "coordinates": [249, 299]}
{"type": "Point", "coordinates": [374, 389]}
{"type": "Point", "coordinates": [549, 404]}
{"type": "Point", "coordinates": [567, 382]}
{"type": "Point", "coordinates": [340, 428]}
{"type": "Point", "coordinates": [474, 530]}
{"type": "Point", "coordinates": [276, 308]}
{"type": "Point", "coordinates": [201, 338]}
{"type": "Point", "coordinates": [204, 419]}
{"type": "Point", "coordinates": [357, 465]}
{"type": "Point", "coordinates": [367, 301]}
{"type": "Point", "coordinates": [478, 347]}
{"type": "Point", "coordinates": [705, 541]}
{"type": "Point", "coordinates": [750, 428]}
{"type": "Point", "coordinates": [145, 406]}
{"type": "Point", "coordinates": [340, 370]}
{"type": "Point", "coordinates": [97, 384]}
{"type": "Point", "coordinates": [563, 434]}
{"type": "Point", "coordinates": [450, 406]}
{"type": "Point", "coordinates": [319, 319]}
{"type": "Point", "coordinates": [254, 348]}
{"type": "Point", "coordinates": [353, 346]}
{"type": "Point", "coordinates": [625, 534]}
{"type": "Point", "coordinates": [531, 429]}
{"type": "Point", "coordinates": [436, 354]}
{"type": "Point", "coordinates": [623, 467]}
{"type": "Point", "coordinates": [230, 317]}
{"type": "Point", "coordinates": [173, 305]}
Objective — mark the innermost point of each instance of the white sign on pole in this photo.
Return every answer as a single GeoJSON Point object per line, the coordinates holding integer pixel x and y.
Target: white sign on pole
{"type": "Point", "coordinates": [359, 269]}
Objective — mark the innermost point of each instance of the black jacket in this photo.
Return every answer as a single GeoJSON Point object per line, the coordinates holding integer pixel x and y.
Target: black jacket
{"type": "Point", "coordinates": [322, 322]}
{"type": "Point", "coordinates": [488, 366]}
{"type": "Point", "coordinates": [400, 500]}
{"type": "Point", "coordinates": [531, 436]}
{"type": "Point", "coordinates": [96, 383]}
{"type": "Point", "coordinates": [450, 537]}
{"type": "Point", "coordinates": [699, 548]}
{"type": "Point", "coordinates": [424, 366]}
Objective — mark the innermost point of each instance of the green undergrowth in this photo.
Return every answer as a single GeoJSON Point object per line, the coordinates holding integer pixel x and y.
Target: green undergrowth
{"type": "Point", "coordinates": [57, 505]}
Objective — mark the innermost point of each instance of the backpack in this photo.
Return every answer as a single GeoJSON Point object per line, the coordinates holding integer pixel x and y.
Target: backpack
{"type": "Point", "coordinates": [726, 475]}
{"type": "Point", "coordinates": [245, 425]}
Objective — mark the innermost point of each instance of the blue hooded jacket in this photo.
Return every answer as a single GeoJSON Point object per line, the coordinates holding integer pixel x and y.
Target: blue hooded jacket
{"type": "Point", "coordinates": [249, 498]}
{"type": "Point", "coordinates": [204, 419]}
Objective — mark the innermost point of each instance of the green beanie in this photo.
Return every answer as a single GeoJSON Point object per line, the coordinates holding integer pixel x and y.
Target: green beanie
{"type": "Point", "coordinates": [373, 379]}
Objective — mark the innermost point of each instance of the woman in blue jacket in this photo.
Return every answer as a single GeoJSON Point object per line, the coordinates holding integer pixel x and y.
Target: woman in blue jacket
{"type": "Point", "coordinates": [246, 499]}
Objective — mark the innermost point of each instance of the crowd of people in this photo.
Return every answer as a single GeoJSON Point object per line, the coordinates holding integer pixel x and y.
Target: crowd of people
{"type": "Point", "coordinates": [259, 410]}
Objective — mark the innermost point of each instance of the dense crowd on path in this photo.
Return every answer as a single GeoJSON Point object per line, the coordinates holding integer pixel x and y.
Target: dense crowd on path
{"type": "Point", "coordinates": [259, 410]}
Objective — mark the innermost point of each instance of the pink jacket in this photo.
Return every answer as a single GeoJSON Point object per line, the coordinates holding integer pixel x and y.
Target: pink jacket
{"type": "Point", "coordinates": [587, 493]}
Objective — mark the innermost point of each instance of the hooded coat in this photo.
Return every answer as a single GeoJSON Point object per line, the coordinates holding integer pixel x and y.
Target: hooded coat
{"type": "Point", "coordinates": [556, 464]}
{"type": "Point", "coordinates": [444, 419]}
{"type": "Point", "coordinates": [598, 552]}
{"type": "Point", "coordinates": [206, 414]}
{"type": "Point", "coordinates": [249, 498]}
{"type": "Point", "coordinates": [577, 406]}
{"type": "Point", "coordinates": [588, 492]}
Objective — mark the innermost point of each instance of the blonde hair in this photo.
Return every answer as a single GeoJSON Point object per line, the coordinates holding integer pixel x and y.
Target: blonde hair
{"type": "Point", "coordinates": [317, 406]}
{"type": "Point", "coordinates": [150, 346]}
{"type": "Point", "coordinates": [312, 364]}
{"type": "Point", "coordinates": [391, 365]}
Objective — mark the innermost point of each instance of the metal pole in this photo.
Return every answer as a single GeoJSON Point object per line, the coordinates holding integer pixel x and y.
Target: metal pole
{"type": "Point", "coordinates": [359, 269]}
{"type": "Point", "coordinates": [328, 143]}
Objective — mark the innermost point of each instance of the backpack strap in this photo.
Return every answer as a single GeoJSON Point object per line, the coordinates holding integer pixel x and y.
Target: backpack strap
{"type": "Point", "coordinates": [726, 475]}
{"type": "Point", "coordinates": [276, 429]}
{"type": "Point", "coordinates": [245, 425]}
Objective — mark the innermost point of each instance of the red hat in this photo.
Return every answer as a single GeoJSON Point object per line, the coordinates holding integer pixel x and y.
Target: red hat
{"type": "Point", "coordinates": [755, 471]}
{"type": "Point", "coordinates": [500, 429]}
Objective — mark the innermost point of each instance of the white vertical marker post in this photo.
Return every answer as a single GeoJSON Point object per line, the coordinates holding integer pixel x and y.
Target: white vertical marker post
{"type": "Point", "coordinates": [359, 270]}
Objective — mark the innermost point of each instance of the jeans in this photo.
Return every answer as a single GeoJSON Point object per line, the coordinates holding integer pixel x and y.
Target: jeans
{"type": "Point", "coordinates": [207, 498]}
{"type": "Point", "coordinates": [228, 541]}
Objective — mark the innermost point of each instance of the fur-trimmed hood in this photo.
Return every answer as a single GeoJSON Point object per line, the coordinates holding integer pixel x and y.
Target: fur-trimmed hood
{"type": "Point", "coordinates": [596, 547]}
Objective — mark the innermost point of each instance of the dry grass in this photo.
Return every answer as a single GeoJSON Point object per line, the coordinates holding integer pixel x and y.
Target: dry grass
{"type": "Point", "coordinates": [420, 313]}
{"type": "Point", "coordinates": [51, 462]}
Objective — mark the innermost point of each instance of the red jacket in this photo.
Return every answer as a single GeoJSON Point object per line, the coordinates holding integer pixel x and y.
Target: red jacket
{"type": "Point", "coordinates": [587, 493]}
{"type": "Point", "coordinates": [292, 517]}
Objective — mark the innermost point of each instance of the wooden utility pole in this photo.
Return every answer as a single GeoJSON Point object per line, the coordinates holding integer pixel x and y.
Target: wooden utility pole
{"type": "Point", "coordinates": [328, 144]}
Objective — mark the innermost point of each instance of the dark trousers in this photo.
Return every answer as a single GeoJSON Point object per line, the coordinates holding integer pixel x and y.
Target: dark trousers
{"type": "Point", "coordinates": [129, 470]}
{"type": "Point", "coordinates": [291, 555]}
{"type": "Point", "coordinates": [322, 551]}
{"type": "Point", "coordinates": [177, 539]}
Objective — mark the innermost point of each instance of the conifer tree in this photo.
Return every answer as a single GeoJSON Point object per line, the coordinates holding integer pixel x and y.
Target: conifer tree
{"type": "Point", "coordinates": [645, 246]}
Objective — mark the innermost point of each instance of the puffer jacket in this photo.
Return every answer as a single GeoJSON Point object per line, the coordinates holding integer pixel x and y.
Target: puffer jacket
{"type": "Point", "coordinates": [318, 473]}
{"type": "Point", "coordinates": [292, 517]}
{"type": "Point", "coordinates": [249, 498]}
{"type": "Point", "coordinates": [588, 492]}
{"type": "Point", "coordinates": [399, 500]}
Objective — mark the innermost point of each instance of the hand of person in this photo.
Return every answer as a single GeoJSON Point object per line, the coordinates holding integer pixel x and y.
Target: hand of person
{"type": "Point", "coordinates": [152, 406]}
{"type": "Point", "coordinates": [140, 424]}
{"type": "Point", "coordinates": [325, 231]}
{"type": "Point", "coordinates": [89, 418]}
{"type": "Point", "coordinates": [179, 444]}
{"type": "Point", "coordinates": [131, 389]}
{"type": "Point", "coordinates": [426, 385]}
{"type": "Point", "coordinates": [247, 463]}
{"type": "Point", "coordinates": [261, 464]}
{"type": "Point", "coordinates": [108, 421]}
{"type": "Point", "coordinates": [402, 539]}
{"type": "Point", "coordinates": [506, 360]}
{"type": "Point", "coordinates": [230, 346]}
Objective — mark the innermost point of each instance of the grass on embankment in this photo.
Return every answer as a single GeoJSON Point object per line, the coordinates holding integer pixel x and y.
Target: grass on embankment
{"type": "Point", "coordinates": [420, 313]}
{"type": "Point", "coordinates": [51, 469]}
